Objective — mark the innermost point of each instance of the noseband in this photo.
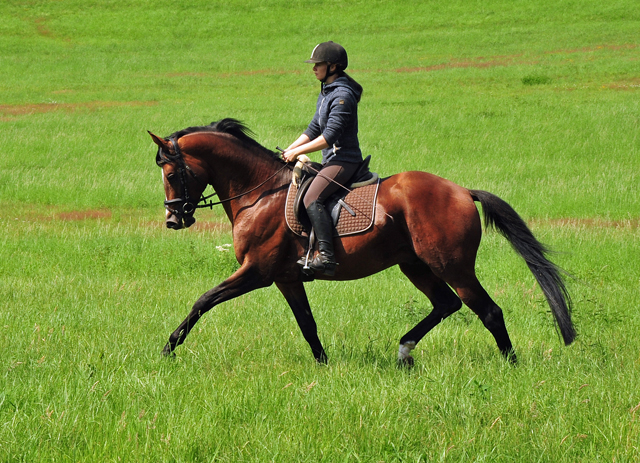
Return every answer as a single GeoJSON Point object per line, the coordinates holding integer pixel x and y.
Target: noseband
{"type": "Point", "coordinates": [186, 206]}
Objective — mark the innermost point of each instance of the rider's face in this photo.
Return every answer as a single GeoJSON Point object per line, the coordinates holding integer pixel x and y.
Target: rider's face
{"type": "Point", "coordinates": [320, 70]}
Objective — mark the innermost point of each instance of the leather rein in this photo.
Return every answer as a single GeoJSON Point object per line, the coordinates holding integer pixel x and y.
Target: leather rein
{"type": "Point", "coordinates": [189, 207]}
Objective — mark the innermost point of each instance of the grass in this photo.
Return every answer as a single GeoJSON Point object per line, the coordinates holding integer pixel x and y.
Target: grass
{"type": "Point", "coordinates": [83, 379]}
{"type": "Point", "coordinates": [537, 104]}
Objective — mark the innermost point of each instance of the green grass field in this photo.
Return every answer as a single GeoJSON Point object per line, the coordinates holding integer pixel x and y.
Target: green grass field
{"type": "Point", "coordinates": [538, 103]}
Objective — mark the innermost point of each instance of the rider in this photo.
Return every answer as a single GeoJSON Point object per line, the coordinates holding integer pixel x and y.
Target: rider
{"type": "Point", "coordinates": [334, 130]}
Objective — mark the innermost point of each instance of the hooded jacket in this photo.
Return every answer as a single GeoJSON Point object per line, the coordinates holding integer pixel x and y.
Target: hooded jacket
{"type": "Point", "coordinates": [336, 118]}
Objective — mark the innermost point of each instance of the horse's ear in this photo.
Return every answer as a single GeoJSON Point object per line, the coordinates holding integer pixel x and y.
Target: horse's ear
{"type": "Point", "coordinates": [159, 141]}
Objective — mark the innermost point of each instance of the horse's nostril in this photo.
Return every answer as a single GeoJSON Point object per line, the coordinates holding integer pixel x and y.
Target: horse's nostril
{"type": "Point", "coordinates": [173, 222]}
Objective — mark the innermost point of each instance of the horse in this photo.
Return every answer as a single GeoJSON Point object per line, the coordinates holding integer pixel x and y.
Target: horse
{"type": "Point", "coordinates": [427, 225]}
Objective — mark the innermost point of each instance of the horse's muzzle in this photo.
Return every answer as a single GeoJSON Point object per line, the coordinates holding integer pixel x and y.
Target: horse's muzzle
{"type": "Point", "coordinates": [173, 222]}
{"type": "Point", "coordinates": [176, 222]}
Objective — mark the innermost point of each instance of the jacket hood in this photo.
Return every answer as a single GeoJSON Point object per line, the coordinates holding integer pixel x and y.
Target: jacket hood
{"type": "Point", "coordinates": [347, 82]}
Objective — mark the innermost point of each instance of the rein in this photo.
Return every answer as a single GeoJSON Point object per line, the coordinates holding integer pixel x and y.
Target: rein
{"type": "Point", "coordinates": [188, 207]}
{"type": "Point", "coordinates": [211, 204]}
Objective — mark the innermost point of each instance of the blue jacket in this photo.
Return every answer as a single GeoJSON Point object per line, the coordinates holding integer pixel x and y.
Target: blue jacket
{"type": "Point", "coordinates": [336, 118]}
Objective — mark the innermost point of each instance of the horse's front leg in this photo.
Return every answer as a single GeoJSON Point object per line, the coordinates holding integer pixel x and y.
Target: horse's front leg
{"type": "Point", "coordinates": [244, 280]}
{"type": "Point", "coordinates": [296, 296]}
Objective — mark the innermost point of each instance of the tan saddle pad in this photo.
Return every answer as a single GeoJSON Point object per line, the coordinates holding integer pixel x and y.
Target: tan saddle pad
{"type": "Point", "coordinates": [361, 201]}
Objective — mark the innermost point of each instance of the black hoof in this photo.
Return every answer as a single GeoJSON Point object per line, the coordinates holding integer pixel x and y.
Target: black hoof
{"type": "Point", "coordinates": [406, 363]}
{"type": "Point", "coordinates": [168, 351]}
{"type": "Point", "coordinates": [511, 357]}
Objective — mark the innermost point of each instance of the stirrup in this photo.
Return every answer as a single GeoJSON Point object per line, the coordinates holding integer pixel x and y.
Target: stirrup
{"type": "Point", "coordinates": [326, 267]}
{"type": "Point", "coordinates": [304, 262]}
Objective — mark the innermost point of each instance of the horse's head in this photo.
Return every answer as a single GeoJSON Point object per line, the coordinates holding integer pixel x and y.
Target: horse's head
{"type": "Point", "coordinates": [183, 183]}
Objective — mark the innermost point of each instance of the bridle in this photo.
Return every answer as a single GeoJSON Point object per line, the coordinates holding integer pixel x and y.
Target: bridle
{"type": "Point", "coordinates": [186, 206]}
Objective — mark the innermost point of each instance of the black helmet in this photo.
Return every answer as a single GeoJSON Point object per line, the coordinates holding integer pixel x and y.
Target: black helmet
{"type": "Point", "coordinates": [329, 52]}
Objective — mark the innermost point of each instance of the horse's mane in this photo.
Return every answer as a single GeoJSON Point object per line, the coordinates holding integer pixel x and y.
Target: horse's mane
{"type": "Point", "coordinates": [230, 126]}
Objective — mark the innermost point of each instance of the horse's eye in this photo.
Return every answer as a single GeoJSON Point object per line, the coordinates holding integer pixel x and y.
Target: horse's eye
{"type": "Point", "coordinates": [171, 176]}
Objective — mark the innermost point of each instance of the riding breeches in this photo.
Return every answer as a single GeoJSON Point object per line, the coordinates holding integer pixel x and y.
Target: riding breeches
{"type": "Point", "coordinates": [329, 180]}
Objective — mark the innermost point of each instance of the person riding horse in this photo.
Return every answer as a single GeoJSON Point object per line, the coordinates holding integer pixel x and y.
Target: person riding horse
{"type": "Point", "coordinates": [334, 130]}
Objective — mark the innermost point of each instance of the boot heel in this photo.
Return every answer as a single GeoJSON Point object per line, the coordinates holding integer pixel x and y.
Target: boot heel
{"type": "Point", "coordinates": [324, 266]}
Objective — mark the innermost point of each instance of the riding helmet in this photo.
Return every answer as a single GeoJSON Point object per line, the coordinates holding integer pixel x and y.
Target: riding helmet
{"type": "Point", "coordinates": [329, 52]}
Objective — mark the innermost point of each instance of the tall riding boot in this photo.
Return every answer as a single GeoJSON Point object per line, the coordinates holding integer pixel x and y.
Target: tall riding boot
{"type": "Point", "coordinates": [325, 261]}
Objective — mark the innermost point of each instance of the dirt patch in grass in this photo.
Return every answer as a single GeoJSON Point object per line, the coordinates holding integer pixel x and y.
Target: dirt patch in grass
{"type": "Point", "coordinates": [8, 111]}
{"type": "Point", "coordinates": [480, 62]}
{"type": "Point", "coordinates": [633, 84]}
{"type": "Point", "coordinates": [52, 213]}
{"type": "Point", "coordinates": [629, 224]}
{"type": "Point", "coordinates": [72, 216]}
{"type": "Point", "coordinates": [624, 46]}
{"type": "Point", "coordinates": [201, 226]}
{"type": "Point", "coordinates": [42, 28]}
{"type": "Point", "coordinates": [254, 72]}
{"type": "Point", "coordinates": [218, 227]}
{"type": "Point", "coordinates": [67, 216]}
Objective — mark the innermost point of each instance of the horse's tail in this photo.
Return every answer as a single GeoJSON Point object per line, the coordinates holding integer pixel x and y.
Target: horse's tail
{"type": "Point", "coordinates": [501, 216]}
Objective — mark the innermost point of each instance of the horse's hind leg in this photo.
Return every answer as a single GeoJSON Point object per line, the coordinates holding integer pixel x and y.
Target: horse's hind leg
{"type": "Point", "coordinates": [476, 298]}
{"type": "Point", "coordinates": [444, 300]}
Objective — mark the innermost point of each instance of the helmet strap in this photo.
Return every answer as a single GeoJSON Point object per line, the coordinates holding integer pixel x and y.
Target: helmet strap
{"type": "Point", "coordinates": [329, 72]}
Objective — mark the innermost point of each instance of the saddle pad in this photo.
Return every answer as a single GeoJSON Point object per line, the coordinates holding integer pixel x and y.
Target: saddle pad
{"type": "Point", "coordinates": [362, 201]}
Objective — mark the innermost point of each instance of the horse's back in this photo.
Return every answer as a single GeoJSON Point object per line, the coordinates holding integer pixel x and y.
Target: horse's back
{"type": "Point", "coordinates": [425, 191]}
{"type": "Point", "coordinates": [439, 215]}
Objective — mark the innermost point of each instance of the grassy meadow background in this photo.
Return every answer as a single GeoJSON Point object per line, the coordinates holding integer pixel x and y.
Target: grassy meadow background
{"type": "Point", "coordinates": [538, 102]}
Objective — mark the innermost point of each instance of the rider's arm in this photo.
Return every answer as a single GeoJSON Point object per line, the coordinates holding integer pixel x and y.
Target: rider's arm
{"type": "Point", "coordinates": [303, 139]}
{"type": "Point", "coordinates": [311, 146]}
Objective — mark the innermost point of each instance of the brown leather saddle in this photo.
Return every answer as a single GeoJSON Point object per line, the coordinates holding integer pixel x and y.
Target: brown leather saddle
{"type": "Point", "coordinates": [352, 208]}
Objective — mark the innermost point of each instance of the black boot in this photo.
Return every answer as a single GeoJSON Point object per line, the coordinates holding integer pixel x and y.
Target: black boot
{"type": "Point", "coordinates": [325, 261]}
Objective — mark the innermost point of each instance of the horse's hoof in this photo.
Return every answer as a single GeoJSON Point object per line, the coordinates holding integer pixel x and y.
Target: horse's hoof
{"type": "Point", "coordinates": [406, 362]}
{"type": "Point", "coordinates": [168, 352]}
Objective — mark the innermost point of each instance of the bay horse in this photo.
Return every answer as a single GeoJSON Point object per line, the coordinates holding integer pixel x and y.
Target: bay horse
{"type": "Point", "coordinates": [427, 225]}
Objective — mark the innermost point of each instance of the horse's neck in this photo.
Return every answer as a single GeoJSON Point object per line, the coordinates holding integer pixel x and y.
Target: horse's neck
{"type": "Point", "coordinates": [236, 169]}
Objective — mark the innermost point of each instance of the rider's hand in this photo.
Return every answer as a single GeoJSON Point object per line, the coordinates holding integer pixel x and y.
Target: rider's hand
{"type": "Point", "coordinates": [290, 156]}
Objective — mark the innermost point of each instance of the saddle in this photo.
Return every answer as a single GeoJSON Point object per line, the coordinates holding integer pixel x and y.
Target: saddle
{"type": "Point", "coordinates": [359, 204]}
